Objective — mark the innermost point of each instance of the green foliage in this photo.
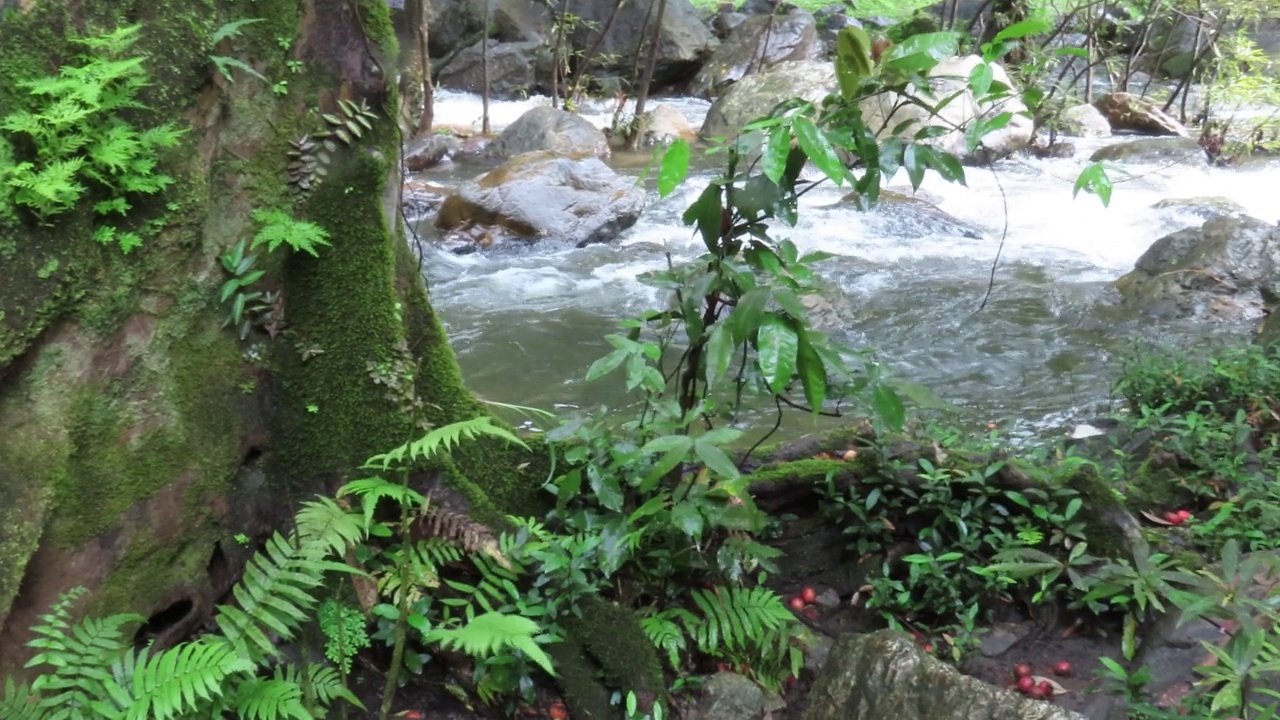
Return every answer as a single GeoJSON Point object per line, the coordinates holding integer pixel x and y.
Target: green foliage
{"type": "Point", "coordinates": [75, 142]}
{"type": "Point", "coordinates": [349, 125]}
{"type": "Point", "coordinates": [491, 633]}
{"type": "Point", "coordinates": [281, 228]}
{"type": "Point", "coordinates": [247, 308]}
{"type": "Point", "coordinates": [344, 632]}
{"type": "Point", "coordinates": [226, 64]}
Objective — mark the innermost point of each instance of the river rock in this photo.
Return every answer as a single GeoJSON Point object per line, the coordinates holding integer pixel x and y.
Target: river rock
{"type": "Point", "coordinates": [1153, 150]}
{"type": "Point", "coordinates": [1083, 120]}
{"type": "Point", "coordinates": [725, 20]}
{"type": "Point", "coordinates": [427, 152]}
{"type": "Point", "coordinates": [1132, 112]}
{"type": "Point", "coordinates": [420, 199]}
{"type": "Point", "coordinates": [758, 43]}
{"type": "Point", "coordinates": [684, 41]}
{"type": "Point", "coordinates": [755, 95]}
{"type": "Point", "coordinates": [1229, 268]}
{"type": "Point", "coordinates": [884, 675]}
{"type": "Point", "coordinates": [551, 129]}
{"type": "Point", "coordinates": [910, 216]}
{"type": "Point", "coordinates": [884, 112]}
{"type": "Point", "coordinates": [514, 69]}
{"type": "Point", "coordinates": [663, 125]}
{"type": "Point", "coordinates": [543, 195]}
{"type": "Point", "coordinates": [1203, 208]}
{"type": "Point", "coordinates": [730, 696]}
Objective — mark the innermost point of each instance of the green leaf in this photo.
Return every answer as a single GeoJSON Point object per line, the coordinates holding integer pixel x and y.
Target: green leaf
{"type": "Point", "coordinates": [1021, 30]}
{"type": "Point", "coordinates": [813, 374]}
{"type": "Point", "coordinates": [776, 152]}
{"type": "Point", "coordinates": [675, 166]}
{"type": "Point", "coordinates": [913, 161]}
{"type": "Point", "coordinates": [980, 79]}
{"type": "Point", "coordinates": [748, 313]}
{"type": "Point", "coordinates": [777, 346]}
{"type": "Point", "coordinates": [686, 516]}
{"type": "Point", "coordinates": [707, 212]}
{"type": "Point", "coordinates": [606, 489]}
{"type": "Point", "coordinates": [1094, 179]}
{"type": "Point", "coordinates": [889, 406]}
{"type": "Point", "coordinates": [819, 149]}
{"type": "Point", "coordinates": [231, 29]}
{"type": "Point", "coordinates": [606, 364]}
{"type": "Point", "coordinates": [719, 353]}
{"type": "Point", "coordinates": [715, 459]}
{"type": "Point", "coordinates": [853, 60]}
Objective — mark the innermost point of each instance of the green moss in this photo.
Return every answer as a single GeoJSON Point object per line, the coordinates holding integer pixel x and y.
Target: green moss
{"type": "Point", "coordinates": [611, 637]}
{"type": "Point", "coordinates": [815, 470]}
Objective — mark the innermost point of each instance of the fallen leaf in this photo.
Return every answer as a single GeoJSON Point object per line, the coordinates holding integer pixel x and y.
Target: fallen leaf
{"type": "Point", "coordinates": [1155, 518]}
{"type": "Point", "coordinates": [1057, 689]}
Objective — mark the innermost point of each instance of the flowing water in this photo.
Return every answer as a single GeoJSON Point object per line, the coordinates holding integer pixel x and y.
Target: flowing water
{"type": "Point", "coordinates": [1042, 353]}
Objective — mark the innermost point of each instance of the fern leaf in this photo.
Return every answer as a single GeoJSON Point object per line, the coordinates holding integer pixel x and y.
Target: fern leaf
{"type": "Point", "coordinates": [370, 490]}
{"type": "Point", "coordinates": [492, 632]}
{"type": "Point", "coordinates": [114, 148]}
{"type": "Point", "coordinates": [178, 680]}
{"type": "Point", "coordinates": [444, 439]}
{"type": "Point", "coordinates": [326, 526]}
{"type": "Point", "coordinates": [270, 699]}
{"type": "Point", "coordinates": [327, 685]}
{"type": "Point", "coordinates": [18, 703]}
{"type": "Point", "coordinates": [231, 29]}
{"type": "Point", "coordinates": [280, 228]}
{"type": "Point", "coordinates": [273, 595]}
{"type": "Point", "coordinates": [224, 65]}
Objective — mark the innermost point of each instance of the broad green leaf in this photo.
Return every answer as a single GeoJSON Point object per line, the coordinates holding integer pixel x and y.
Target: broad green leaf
{"type": "Point", "coordinates": [819, 149]}
{"type": "Point", "coordinates": [719, 353]}
{"type": "Point", "coordinates": [706, 212]}
{"type": "Point", "coordinates": [777, 346]}
{"type": "Point", "coordinates": [980, 79]}
{"type": "Point", "coordinates": [853, 60]}
{"type": "Point", "coordinates": [715, 459]}
{"type": "Point", "coordinates": [685, 515]}
{"type": "Point", "coordinates": [913, 161]}
{"type": "Point", "coordinates": [789, 301]}
{"type": "Point", "coordinates": [606, 489]}
{"type": "Point", "coordinates": [1094, 179]}
{"type": "Point", "coordinates": [675, 166]}
{"type": "Point", "coordinates": [776, 152]}
{"type": "Point", "coordinates": [889, 406]}
{"type": "Point", "coordinates": [667, 443]}
{"type": "Point", "coordinates": [1021, 30]}
{"type": "Point", "coordinates": [606, 364]}
{"type": "Point", "coordinates": [813, 374]}
{"type": "Point", "coordinates": [748, 313]}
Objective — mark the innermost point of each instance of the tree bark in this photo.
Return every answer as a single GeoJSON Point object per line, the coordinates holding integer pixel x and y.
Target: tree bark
{"type": "Point", "coordinates": [642, 94]}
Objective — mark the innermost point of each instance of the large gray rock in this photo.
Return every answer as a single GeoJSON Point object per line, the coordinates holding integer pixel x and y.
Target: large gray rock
{"type": "Point", "coordinates": [684, 41]}
{"type": "Point", "coordinates": [662, 125]}
{"type": "Point", "coordinates": [946, 79]}
{"type": "Point", "coordinates": [514, 69]}
{"type": "Point", "coordinates": [755, 95]}
{"type": "Point", "coordinates": [1083, 120]}
{"type": "Point", "coordinates": [553, 130]}
{"type": "Point", "coordinates": [1162, 150]}
{"type": "Point", "coordinates": [756, 44]}
{"type": "Point", "coordinates": [884, 675]}
{"type": "Point", "coordinates": [730, 696]}
{"type": "Point", "coordinates": [1229, 269]}
{"type": "Point", "coordinates": [1125, 111]}
{"type": "Point", "coordinates": [906, 215]}
{"type": "Point", "coordinates": [542, 195]}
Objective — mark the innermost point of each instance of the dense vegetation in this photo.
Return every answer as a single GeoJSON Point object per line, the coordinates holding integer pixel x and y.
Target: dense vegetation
{"type": "Point", "coordinates": [652, 520]}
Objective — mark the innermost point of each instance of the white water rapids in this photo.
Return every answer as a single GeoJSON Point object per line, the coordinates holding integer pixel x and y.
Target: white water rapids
{"type": "Point", "coordinates": [526, 325]}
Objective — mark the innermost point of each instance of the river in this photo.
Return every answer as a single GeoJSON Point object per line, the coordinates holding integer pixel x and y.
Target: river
{"type": "Point", "coordinates": [1041, 355]}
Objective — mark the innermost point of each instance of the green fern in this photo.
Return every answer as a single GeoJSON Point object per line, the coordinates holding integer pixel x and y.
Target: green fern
{"type": "Point", "coordinates": [736, 619]}
{"type": "Point", "coordinates": [443, 439]}
{"type": "Point", "coordinates": [175, 682]}
{"type": "Point", "coordinates": [665, 634]}
{"type": "Point", "coordinates": [492, 633]}
{"type": "Point", "coordinates": [231, 29]}
{"type": "Point", "coordinates": [344, 631]}
{"type": "Point", "coordinates": [280, 228]}
{"type": "Point", "coordinates": [19, 703]}
{"type": "Point", "coordinates": [371, 490]}
{"type": "Point", "coordinates": [327, 528]}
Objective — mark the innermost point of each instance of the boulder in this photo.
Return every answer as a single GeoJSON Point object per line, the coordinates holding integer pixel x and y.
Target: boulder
{"type": "Point", "coordinates": [910, 216]}
{"type": "Point", "coordinates": [884, 675]}
{"type": "Point", "coordinates": [1083, 120]}
{"type": "Point", "coordinates": [730, 696]}
{"type": "Point", "coordinates": [551, 129]}
{"type": "Point", "coordinates": [885, 112]}
{"type": "Point", "coordinates": [664, 124]}
{"type": "Point", "coordinates": [419, 199]}
{"type": "Point", "coordinates": [543, 195]}
{"type": "Point", "coordinates": [1229, 268]}
{"type": "Point", "coordinates": [1202, 208]}
{"type": "Point", "coordinates": [724, 21]}
{"type": "Point", "coordinates": [1153, 150]}
{"type": "Point", "coordinates": [684, 40]}
{"type": "Point", "coordinates": [1135, 113]}
{"type": "Point", "coordinates": [514, 69]}
{"type": "Point", "coordinates": [758, 43]}
{"type": "Point", "coordinates": [427, 152]}
{"type": "Point", "coordinates": [755, 95]}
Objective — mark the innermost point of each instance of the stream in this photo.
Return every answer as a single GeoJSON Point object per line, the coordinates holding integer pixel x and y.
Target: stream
{"type": "Point", "coordinates": [1041, 355]}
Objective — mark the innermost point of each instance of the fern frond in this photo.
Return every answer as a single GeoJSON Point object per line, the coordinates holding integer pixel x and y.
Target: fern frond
{"type": "Point", "coordinates": [113, 150]}
{"type": "Point", "coordinates": [18, 703]}
{"type": "Point", "coordinates": [443, 439]}
{"type": "Point", "coordinates": [181, 679]}
{"type": "Point", "coordinates": [492, 633]}
{"type": "Point", "coordinates": [280, 228]}
{"type": "Point", "coordinates": [325, 682]}
{"type": "Point", "coordinates": [224, 65]}
{"type": "Point", "coordinates": [666, 635]}
{"type": "Point", "coordinates": [269, 699]}
{"type": "Point", "coordinates": [458, 528]}
{"type": "Point", "coordinates": [372, 489]}
{"type": "Point", "coordinates": [328, 527]}
{"type": "Point", "coordinates": [736, 619]}
{"type": "Point", "coordinates": [79, 658]}
{"type": "Point", "coordinates": [231, 29]}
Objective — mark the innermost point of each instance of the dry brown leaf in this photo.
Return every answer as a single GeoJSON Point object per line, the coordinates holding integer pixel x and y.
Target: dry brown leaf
{"type": "Point", "coordinates": [1053, 684]}
{"type": "Point", "coordinates": [1155, 518]}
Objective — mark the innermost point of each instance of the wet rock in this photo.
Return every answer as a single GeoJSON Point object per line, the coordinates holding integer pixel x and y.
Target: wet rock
{"type": "Point", "coordinates": [553, 130]}
{"type": "Point", "coordinates": [828, 598]}
{"type": "Point", "coordinates": [910, 216]}
{"type": "Point", "coordinates": [684, 41]}
{"type": "Point", "coordinates": [755, 95]}
{"type": "Point", "coordinates": [420, 199]}
{"type": "Point", "coordinates": [543, 195]}
{"type": "Point", "coordinates": [1002, 636]}
{"type": "Point", "coordinates": [1133, 112]}
{"type": "Point", "coordinates": [1083, 121]}
{"type": "Point", "coordinates": [1203, 208]}
{"type": "Point", "coordinates": [884, 675]}
{"type": "Point", "coordinates": [1153, 150]}
{"type": "Point", "coordinates": [756, 44]}
{"type": "Point", "coordinates": [947, 78]}
{"type": "Point", "coordinates": [663, 125]}
{"type": "Point", "coordinates": [514, 69]}
{"type": "Point", "coordinates": [730, 696]}
{"type": "Point", "coordinates": [818, 652]}
{"type": "Point", "coordinates": [427, 152]}
{"type": "Point", "coordinates": [1229, 269]}
{"type": "Point", "coordinates": [724, 22]}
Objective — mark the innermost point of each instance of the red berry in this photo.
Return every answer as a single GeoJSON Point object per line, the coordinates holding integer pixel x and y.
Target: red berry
{"type": "Point", "coordinates": [1022, 670]}
{"type": "Point", "coordinates": [1063, 668]}
{"type": "Point", "coordinates": [1026, 684]}
{"type": "Point", "coordinates": [723, 667]}
{"type": "Point", "coordinates": [1046, 690]}
{"type": "Point", "coordinates": [808, 595]}
{"type": "Point", "coordinates": [1172, 518]}
{"type": "Point", "coordinates": [796, 602]}
{"type": "Point", "coordinates": [1184, 515]}
{"type": "Point", "coordinates": [1036, 692]}
{"type": "Point", "coordinates": [811, 614]}
{"type": "Point", "coordinates": [927, 647]}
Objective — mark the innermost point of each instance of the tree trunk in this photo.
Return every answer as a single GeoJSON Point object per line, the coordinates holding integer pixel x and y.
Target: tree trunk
{"type": "Point", "coordinates": [642, 93]}
{"type": "Point", "coordinates": [484, 73]}
{"type": "Point", "coordinates": [428, 117]}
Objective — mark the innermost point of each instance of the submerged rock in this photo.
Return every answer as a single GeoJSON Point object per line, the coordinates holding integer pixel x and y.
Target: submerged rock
{"type": "Point", "coordinates": [1153, 150]}
{"type": "Point", "coordinates": [1083, 121]}
{"type": "Point", "coordinates": [663, 125]}
{"type": "Point", "coordinates": [1203, 207]}
{"type": "Point", "coordinates": [884, 675]}
{"type": "Point", "coordinates": [1228, 269]}
{"type": "Point", "coordinates": [542, 195]}
{"type": "Point", "coordinates": [758, 43]}
{"type": "Point", "coordinates": [911, 216]}
{"type": "Point", "coordinates": [551, 129]}
{"type": "Point", "coordinates": [425, 153]}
